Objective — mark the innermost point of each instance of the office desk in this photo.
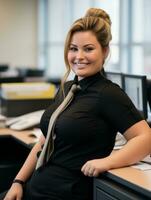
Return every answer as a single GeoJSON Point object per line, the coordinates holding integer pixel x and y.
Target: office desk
{"type": "Point", "coordinates": [22, 136]}
{"type": "Point", "coordinates": [123, 184]}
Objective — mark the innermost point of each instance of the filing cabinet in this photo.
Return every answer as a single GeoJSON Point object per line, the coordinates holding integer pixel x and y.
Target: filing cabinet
{"type": "Point", "coordinates": [106, 188]}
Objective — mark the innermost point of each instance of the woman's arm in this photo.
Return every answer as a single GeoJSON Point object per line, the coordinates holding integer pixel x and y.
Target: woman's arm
{"type": "Point", "coordinates": [137, 147]}
{"type": "Point", "coordinates": [30, 163]}
{"type": "Point", "coordinates": [16, 190]}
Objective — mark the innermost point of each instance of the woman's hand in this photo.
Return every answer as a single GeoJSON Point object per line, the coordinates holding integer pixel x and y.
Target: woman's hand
{"type": "Point", "coordinates": [15, 192]}
{"type": "Point", "coordinates": [93, 168]}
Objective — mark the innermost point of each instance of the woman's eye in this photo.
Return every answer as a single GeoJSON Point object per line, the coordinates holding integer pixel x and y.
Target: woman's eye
{"type": "Point", "coordinates": [88, 49]}
{"type": "Point", "coordinates": [72, 49]}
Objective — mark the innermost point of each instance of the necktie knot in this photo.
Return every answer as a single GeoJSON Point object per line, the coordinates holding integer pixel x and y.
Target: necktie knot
{"type": "Point", "coordinates": [75, 88]}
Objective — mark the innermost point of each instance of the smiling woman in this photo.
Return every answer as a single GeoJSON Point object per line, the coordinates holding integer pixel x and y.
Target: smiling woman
{"type": "Point", "coordinates": [88, 42]}
{"type": "Point", "coordinates": [86, 56]}
{"type": "Point", "coordinates": [83, 134]}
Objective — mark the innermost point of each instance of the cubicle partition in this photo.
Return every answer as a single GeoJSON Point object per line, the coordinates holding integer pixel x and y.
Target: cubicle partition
{"type": "Point", "coordinates": [12, 155]}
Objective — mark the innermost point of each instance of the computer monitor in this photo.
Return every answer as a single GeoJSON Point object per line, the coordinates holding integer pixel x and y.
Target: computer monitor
{"type": "Point", "coordinates": [115, 77]}
{"type": "Point", "coordinates": [149, 92]}
{"type": "Point", "coordinates": [4, 67]}
{"type": "Point", "coordinates": [11, 79]}
{"type": "Point", "coordinates": [136, 88]}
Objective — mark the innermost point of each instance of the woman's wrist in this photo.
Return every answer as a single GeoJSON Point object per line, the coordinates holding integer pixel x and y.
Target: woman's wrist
{"type": "Point", "coordinates": [19, 181]}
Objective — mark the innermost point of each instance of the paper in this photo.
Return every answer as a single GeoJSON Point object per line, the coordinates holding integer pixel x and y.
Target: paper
{"type": "Point", "coordinates": [142, 166]}
{"type": "Point", "coordinates": [120, 141]}
{"type": "Point", "coordinates": [28, 90]}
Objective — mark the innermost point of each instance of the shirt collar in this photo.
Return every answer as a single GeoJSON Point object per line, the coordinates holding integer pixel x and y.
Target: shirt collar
{"type": "Point", "coordinates": [85, 82]}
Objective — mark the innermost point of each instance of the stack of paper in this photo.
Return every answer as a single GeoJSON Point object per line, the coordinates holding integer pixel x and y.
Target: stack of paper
{"type": "Point", "coordinates": [142, 166]}
{"type": "Point", "coordinates": [28, 90]}
{"type": "Point", "coordinates": [120, 141]}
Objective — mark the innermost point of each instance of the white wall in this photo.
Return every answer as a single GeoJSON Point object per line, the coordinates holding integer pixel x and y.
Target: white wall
{"type": "Point", "coordinates": [18, 32]}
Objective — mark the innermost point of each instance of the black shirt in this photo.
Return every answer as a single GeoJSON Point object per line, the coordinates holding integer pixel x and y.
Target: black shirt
{"type": "Point", "coordinates": [87, 128]}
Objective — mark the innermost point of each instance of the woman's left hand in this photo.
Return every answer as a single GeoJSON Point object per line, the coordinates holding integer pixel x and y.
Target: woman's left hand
{"type": "Point", "coordinates": [93, 168]}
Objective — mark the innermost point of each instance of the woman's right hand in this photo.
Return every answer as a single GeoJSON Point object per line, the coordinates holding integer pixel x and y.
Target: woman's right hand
{"type": "Point", "coordinates": [15, 192]}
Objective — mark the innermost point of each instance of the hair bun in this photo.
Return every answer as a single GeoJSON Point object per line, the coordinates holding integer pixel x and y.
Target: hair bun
{"type": "Point", "coordinates": [97, 12]}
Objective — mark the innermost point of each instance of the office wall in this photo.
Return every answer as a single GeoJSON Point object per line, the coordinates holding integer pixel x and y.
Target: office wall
{"type": "Point", "coordinates": [18, 32]}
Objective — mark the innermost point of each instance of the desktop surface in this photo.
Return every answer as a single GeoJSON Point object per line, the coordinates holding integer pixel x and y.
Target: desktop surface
{"type": "Point", "coordinates": [123, 183]}
{"type": "Point", "coordinates": [133, 178]}
{"type": "Point", "coordinates": [129, 177]}
{"type": "Point", "coordinates": [23, 137]}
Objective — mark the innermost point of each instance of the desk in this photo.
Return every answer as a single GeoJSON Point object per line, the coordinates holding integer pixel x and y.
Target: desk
{"type": "Point", "coordinates": [123, 184]}
{"type": "Point", "coordinates": [22, 136]}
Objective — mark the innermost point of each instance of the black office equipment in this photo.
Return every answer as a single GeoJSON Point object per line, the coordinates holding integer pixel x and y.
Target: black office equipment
{"type": "Point", "coordinates": [32, 75]}
{"type": "Point", "coordinates": [26, 97]}
{"type": "Point", "coordinates": [4, 67]}
{"type": "Point", "coordinates": [149, 92]}
{"type": "Point", "coordinates": [56, 81]}
{"type": "Point", "coordinates": [136, 88]}
{"type": "Point", "coordinates": [12, 156]}
{"type": "Point", "coordinates": [115, 77]}
{"type": "Point", "coordinates": [8, 106]}
{"type": "Point", "coordinates": [11, 79]}
{"type": "Point", "coordinates": [30, 72]}
{"type": "Point", "coordinates": [111, 187]}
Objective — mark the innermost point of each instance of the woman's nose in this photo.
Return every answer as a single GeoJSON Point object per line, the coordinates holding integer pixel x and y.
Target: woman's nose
{"type": "Point", "coordinates": [80, 54]}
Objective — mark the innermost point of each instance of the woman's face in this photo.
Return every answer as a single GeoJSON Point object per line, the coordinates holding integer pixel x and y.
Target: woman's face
{"type": "Point", "coordinates": [85, 55]}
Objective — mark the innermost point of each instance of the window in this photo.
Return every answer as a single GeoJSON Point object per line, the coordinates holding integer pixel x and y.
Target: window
{"type": "Point", "coordinates": [131, 30]}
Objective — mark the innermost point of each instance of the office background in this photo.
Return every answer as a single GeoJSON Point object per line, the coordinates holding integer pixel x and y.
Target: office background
{"type": "Point", "coordinates": [32, 33]}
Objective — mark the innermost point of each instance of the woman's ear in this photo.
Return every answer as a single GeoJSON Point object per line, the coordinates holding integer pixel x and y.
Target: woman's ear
{"type": "Point", "coordinates": [106, 52]}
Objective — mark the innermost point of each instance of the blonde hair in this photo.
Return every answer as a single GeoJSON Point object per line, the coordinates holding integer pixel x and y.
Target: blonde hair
{"type": "Point", "coordinates": [95, 20]}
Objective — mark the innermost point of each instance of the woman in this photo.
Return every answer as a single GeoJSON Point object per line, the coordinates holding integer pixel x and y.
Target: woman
{"type": "Point", "coordinates": [85, 131]}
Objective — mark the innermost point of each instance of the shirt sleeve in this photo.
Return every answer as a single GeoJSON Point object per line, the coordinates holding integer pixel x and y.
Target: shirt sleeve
{"type": "Point", "coordinates": [117, 107]}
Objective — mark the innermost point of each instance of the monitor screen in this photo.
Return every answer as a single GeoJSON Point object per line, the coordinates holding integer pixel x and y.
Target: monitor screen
{"type": "Point", "coordinates": [115, 77]}
{"type": "Point", "coordinates": [135, 87]}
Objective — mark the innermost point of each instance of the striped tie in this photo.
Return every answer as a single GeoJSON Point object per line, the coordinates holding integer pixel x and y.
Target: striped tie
{"type": "Point", "coordinates": [49, 142]}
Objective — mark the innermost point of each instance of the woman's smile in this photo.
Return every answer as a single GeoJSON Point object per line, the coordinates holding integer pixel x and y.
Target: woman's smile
{"type": "Point", "coordinates": [81, 64]}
